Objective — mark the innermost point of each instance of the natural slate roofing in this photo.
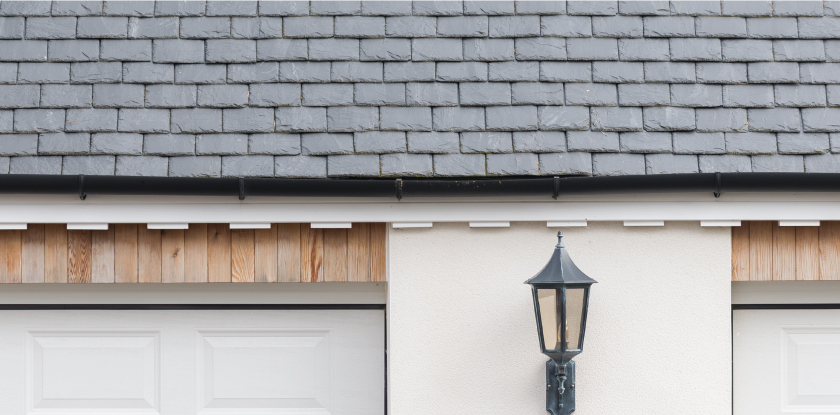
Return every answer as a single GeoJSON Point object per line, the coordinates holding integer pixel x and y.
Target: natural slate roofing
{"type": "Point", "coordinates": [424, 88]}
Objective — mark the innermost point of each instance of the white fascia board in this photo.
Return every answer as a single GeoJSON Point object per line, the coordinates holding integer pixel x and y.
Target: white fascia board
{"type": "Point", "coordinates": [566, 223]}
{"type": "Point", "coordinates": [331, 225]}
{"type": "Point", "coordinates": [250, 225]}
{"type": "Point", "coordinates": [785, 292]}
{"type": "Point", "coordinates": [494, 224]}
{"type": "Point", "coordinates": [334, 212]}
{"type": "Point", "coordinates": [799, 223]}
{"type": "Point", "coordinates": [644, 223]}
{"type": "Point", "coordinates": [401, 225]}
{"type": "Point", "coordinates": [12, 226]}
{"type": "Point", "coordinates": [87, 226]}
{"type": "Point", "coordinates": [721, 223]}
{"type": "Point", "coordinates": [190, 293]}
{"type": "Point", "coordinates": [168, 226]}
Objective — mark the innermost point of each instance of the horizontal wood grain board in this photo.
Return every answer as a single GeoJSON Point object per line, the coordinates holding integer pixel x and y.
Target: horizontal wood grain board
{"type": "Point", "coordinates": [131, 253]}
{"type": "Point", "coordinates": [765, 251]}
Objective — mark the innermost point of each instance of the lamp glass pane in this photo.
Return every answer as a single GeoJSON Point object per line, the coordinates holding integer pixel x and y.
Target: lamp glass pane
{"type": "Point", "coordinates": [548, 314]}
{"type": "Point", "coordinates": [574, 316]}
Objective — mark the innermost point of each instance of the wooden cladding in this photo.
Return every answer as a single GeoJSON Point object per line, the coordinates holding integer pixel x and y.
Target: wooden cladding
{"type": "Point", "coordinates": [765, 251]}
{"type": "Point", "coordinates": [131, 253]}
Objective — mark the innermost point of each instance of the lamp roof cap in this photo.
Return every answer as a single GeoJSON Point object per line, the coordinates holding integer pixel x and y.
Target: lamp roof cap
{"type": "Point", "coordinates": [560, 269]}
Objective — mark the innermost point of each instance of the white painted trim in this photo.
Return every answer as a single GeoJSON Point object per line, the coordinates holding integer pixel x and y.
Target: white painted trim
{"type": "Point", "coordinates": [331, 225]}
{"type": "Point", "coordinates": [184, 211]}
{"type": "Point", "coordinates": [250, 226]}
{"type": "Point", "coordinates": [168, 226]}
{"type": "Point", "coordinates": [644, 223]}
{"type": "Point", "coordinates": [721, 223]}
{"type": "Point", "coordinates": [495, 224]}
{"type": "Point", "coordinates": [246, 293]}
{"type": "Point", "coordinates": [566, 223]}
{"type": "Point", "coordinates": [12, 226]}
{"type": "Point", "coordinates": [799, 223]}
{"type": "Point", "coordinates": [400, 225]}
{"type": "Point", "coordinates": [786, 292]}
{"type": "Point", "coordinates": [87, 226]}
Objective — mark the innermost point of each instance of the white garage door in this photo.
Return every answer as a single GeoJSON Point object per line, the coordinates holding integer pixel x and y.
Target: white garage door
{"type": "Point", "coordinates": [182, 362]}
{"type": "Point", "coordinates": [786, 361]}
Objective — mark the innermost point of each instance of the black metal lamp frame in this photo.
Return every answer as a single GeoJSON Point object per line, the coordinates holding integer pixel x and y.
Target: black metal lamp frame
{"type": "Point", "coordinates": [560, 368]}
{"type": "Point", "coordinates": [560, 274]}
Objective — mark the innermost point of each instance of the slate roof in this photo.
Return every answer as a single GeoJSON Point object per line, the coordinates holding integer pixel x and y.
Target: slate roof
{"type": "Point", "coordinates": [399, 88]}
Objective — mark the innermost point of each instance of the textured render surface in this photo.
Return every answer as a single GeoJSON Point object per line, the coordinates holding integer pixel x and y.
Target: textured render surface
{"type": "Point", "coordinates": [423, 88]}
{"type": "Point", "coordinates": [660, 312]}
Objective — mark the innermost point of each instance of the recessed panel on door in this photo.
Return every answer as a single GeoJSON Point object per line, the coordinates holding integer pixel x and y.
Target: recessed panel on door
{"type": "Point", "coordinates": [281, 370]}
{"type": "Point", "coordinates": [81, 371]}
{"type": "Point", "coordinates": [810, 368]}
{"type": "Point", "coordinates": [786, 362]}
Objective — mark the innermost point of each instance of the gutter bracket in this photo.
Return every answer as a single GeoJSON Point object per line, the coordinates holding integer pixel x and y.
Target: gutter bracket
{"type": "Point", "coordinates": [556, 187]}
{"type": "Point", "coordinates": [399, 188]}
{"type": "Point", "coordinates": [241, 188]}
{"type": "Point", "coordinates": [82, 194]}
{"type": "Point", "coordinates": [717, 185]}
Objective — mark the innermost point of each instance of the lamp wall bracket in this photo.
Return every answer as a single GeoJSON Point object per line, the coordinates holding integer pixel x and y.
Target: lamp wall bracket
{"type": "Point", "coordinates": [560, 388]}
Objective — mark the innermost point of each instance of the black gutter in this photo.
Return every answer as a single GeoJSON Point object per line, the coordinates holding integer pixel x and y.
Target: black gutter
{"type": "Point", "coordinates": [712, 183]}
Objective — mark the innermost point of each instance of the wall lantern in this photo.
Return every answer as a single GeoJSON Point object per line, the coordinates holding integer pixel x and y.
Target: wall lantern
{"type": "Point", "coordinates": [561, 299]}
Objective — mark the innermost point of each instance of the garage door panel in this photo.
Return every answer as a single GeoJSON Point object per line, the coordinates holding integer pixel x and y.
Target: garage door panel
{"type": "Point", "coordinates": [73, 371]}
{"type": "Point", "coordinates": [810, 368]}
{"type": "Point", "coordinates": [207, 362]}
{"type": "Point", "coordinates": [786, 362]}
{"type": "Point", "coordinates": [260, 369]}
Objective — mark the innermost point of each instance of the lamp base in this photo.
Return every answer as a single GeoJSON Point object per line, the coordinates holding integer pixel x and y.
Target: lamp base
{"type": "Point", "coordinates": [560, 388]}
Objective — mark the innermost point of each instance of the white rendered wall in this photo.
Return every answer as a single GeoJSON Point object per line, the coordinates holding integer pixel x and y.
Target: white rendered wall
{"type": "Point", "coordinates": [462, 330]}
